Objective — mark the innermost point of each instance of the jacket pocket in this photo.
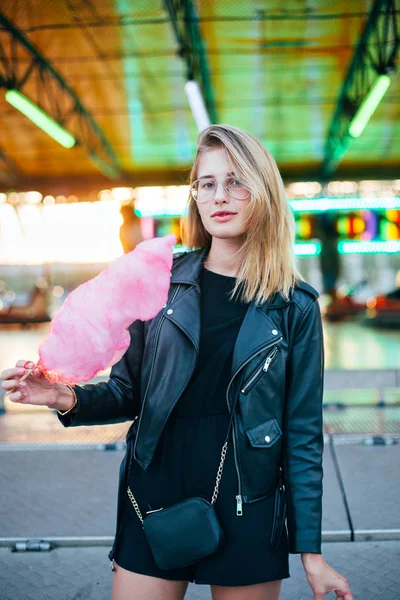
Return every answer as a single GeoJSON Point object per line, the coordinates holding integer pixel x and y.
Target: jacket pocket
{"type": "Point", "coordinates": [265, 434]}
{"type": "Point", "coordinates": [259, 371]}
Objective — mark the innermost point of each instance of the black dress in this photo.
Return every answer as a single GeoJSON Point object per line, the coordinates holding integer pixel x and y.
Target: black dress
{"type": "Point", "coordinates": [186, 462]}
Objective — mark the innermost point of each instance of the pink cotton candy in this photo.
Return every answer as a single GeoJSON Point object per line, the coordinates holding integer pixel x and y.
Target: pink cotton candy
{"type": "Point", "coordinates": [89, 332]}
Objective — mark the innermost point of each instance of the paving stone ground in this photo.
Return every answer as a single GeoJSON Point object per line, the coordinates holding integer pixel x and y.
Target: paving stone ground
{"type": "Point", "coordinates": [372, 569]}
{"type": "Point", "coordinates": [44, 484]}
{"type": "Point", "coordinates": [56, 489]}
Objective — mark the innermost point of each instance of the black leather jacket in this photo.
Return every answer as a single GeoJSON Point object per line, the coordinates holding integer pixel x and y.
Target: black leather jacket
{"type": "Point", "coordinates": [277, 375]}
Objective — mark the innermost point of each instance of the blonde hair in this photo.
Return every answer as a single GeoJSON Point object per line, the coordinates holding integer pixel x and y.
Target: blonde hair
{"type": "Point", "coordinates": [266, 258]}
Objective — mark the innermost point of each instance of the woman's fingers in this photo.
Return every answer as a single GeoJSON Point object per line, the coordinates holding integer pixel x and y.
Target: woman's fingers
{"type": "Point", "coordinates": [17, 396]}
{"type": "Point", "coordinates": [25, 364]}
{"type": "Point", "coordinates": [38, 373]}
{"type": "Point", "coordinates": [13, 379]}
{"type": "Point", "coordinates": [324, 579]}
{"type": "Point", "coordinates": [9, 384]}
{"type": "Point", "coordinates": [342, 590]}
{"type": "Point", "coordinates": [35, 390]}
{"type": "Point", "coordinates": [15, 372]}
{"type": "Point", "coordinates": [344, 595]}
{"type": "Point", "coordinates": [30, 370]}
{"type": "Point", "coordinates": [21, 371]}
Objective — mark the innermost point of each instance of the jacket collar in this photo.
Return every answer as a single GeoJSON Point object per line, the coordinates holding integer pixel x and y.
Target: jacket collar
{"type": "Point", "coordinates": [188, 267]}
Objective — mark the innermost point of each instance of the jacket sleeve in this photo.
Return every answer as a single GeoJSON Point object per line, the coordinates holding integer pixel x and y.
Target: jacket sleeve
{"type": "Point", "coordinates": [117, 399]}
{"type": "Point", "coordinates": [303, 432]}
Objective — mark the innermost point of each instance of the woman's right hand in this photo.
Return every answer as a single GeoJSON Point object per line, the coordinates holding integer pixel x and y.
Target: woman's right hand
{"type": "Point", "coordinates": [35, 389]}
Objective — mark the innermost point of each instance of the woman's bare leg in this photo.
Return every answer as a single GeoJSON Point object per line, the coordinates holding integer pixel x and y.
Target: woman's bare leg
{"type": "Point", "coordinates": [134, 586]}
{"type": "Point", "coordinates": [260, 591]}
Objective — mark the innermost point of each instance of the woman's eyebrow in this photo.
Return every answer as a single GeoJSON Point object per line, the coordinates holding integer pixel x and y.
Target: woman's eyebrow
{"type": "Point", "coordinates": [213, 176]}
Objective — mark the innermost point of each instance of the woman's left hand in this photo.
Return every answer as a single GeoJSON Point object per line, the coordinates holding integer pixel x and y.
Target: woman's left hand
{"type": "Point", "coordinates": [323, 579]}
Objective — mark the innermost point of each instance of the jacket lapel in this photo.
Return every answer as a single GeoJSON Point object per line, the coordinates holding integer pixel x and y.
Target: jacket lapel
{"type": "Point", "coordinates": [257, 331]}
{"type": "Point", "coordinates": [186, 313]}
{"type": "Point", "coordinates": [186, 307]}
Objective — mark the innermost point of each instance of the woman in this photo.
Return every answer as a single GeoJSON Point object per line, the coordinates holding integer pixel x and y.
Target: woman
{"type": "Point", "coordinates": [130, 232]}
{"type": "Point", "coordinates": [239, 326]}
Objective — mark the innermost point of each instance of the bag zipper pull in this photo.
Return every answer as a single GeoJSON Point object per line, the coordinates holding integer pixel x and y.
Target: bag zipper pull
{"type": "Point", "coordinates": [239, 509]}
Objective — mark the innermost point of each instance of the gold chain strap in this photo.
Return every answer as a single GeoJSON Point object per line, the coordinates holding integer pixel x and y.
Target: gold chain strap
{"type": "Point", "coordinates": [135, 504]}
{"type": "Point", "coordinates": [219, 473]}
{"type": "Point", "coordinates": [216, 489]}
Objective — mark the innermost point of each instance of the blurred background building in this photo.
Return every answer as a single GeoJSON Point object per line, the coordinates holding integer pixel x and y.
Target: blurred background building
{"type": "Point", "coordinates": [100, 106]}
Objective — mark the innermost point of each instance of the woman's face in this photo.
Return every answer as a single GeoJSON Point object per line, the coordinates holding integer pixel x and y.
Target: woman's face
{"type": "Point", "coordinates": [222, 216]}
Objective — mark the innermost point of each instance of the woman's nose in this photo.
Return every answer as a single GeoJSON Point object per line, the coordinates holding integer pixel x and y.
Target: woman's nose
{"type": "Point", "coordinates": [220, 193]}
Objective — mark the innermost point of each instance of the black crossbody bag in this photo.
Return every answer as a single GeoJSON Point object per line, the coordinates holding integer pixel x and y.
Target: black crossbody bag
{"type": "Point", "coordinates": [183, 533]}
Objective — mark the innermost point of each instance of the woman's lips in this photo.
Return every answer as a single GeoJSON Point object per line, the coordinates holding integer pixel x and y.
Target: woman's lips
{"type": "Point", "coordinates": [223, 217]}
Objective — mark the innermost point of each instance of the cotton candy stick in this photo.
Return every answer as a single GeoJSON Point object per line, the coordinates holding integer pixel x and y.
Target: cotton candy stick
{"type": "Point", "coordinates": [89, 333]}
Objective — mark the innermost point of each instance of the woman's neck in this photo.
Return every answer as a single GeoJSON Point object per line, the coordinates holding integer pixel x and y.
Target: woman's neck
{"type": "Point", "coordinates": [222, 257]}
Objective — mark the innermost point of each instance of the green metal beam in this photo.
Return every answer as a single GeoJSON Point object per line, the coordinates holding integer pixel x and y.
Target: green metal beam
{"type": "Point", "coordinates": [186, 25]}
{"type": "Point", "coordinates": [65, 105]}
{"type": "Point", "coordinates": [8, 170]}
{"type": "Point", "coordinates": [376, 54]}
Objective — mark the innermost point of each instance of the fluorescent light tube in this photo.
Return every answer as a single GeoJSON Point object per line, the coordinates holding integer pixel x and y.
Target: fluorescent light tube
{"type": "Point", "coordinates": [40, 118]}
{"type": "Point", "coordinates": [368, 105]}
{"type": "Point", "coordinates": [373, 247]}
{"type": "Point", "coordinates": [335, 204]}
{"type": "Point", "coordinates": [307, 249]}
{"type": "Point", "coordinates": [196, 102]}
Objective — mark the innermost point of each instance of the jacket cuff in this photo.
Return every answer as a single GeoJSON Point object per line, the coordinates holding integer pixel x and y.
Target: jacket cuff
{"type": "Point", "coordinates": [69, 418]}
{"type": "Point", "coordinates": [305, 545]}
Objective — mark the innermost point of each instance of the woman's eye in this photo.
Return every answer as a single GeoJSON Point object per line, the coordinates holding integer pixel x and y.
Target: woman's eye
{"type": "Point", "coordinates": [208, 185]}
{"type": "Point", "coordinates": [235, 182]}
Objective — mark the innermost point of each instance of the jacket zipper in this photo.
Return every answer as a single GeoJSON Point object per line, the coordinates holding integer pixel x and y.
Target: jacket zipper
{"type": "Point", "coordinates": [264, 368]}
{"type": "Point", "coordinates": [152, 367]}
{"type": "Point", "coordinates": [239, 499]}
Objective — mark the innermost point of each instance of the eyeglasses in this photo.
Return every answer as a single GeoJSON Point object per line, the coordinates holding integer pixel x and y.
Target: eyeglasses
{"type": "Point", "coordinates": [204, 189]}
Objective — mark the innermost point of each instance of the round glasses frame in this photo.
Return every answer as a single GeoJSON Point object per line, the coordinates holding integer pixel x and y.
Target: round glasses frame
{"type": "Point", "coordinates": [211, 194]}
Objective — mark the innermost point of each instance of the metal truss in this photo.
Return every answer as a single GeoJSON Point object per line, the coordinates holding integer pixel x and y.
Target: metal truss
{"type": "Point", "coordinates": [375, 54]}
{"type": "Point", "coordinates": [185, 22]}
{"type": "Point", "coordinates": [52, 94]}
{"type": "Point", "coordinates": [8, 170]}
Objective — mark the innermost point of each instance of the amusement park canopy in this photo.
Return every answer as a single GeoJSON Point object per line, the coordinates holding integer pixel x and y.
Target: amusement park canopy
{"type": "Point", "coordinates": [112, 73]}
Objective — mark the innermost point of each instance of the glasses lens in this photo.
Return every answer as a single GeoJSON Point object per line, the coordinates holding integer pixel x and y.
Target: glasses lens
{"type": "Point", "coordinates": [203, 189]}
{"type": "Point", "coordinates": [237, 189]}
